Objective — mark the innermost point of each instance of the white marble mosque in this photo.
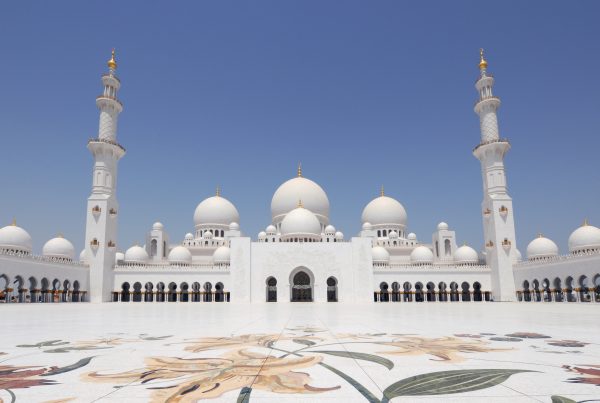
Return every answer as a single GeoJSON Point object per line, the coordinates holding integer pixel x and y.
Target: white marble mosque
{"type": "Point", "coordinates": [301, 255]}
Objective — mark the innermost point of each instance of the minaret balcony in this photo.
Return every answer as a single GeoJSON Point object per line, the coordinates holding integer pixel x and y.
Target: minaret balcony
{"type": "Point", "coordinates": [495, 141]}
{"type": "Point", "coordinates": [106, 141]}
{"type": "Point", "coordinates": [107, 97]}
{"type": "Point", "coordinates": [486, 100]}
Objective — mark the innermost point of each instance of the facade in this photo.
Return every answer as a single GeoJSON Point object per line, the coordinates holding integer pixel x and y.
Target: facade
{"type": "Point", "coordinates": [300, 256]}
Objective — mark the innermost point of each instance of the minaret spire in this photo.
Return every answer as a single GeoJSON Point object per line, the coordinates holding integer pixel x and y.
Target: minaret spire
{"type": "Point", "coordinates": [102, 207]}
{"type": "Point", "coordinates": [498, 220]}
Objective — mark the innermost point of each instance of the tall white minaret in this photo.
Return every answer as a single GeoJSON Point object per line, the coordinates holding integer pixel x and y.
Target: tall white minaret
{"type": "Point", "coordinates": [102, 206]}
{"type": "Point", "coordinates": [498, 222]}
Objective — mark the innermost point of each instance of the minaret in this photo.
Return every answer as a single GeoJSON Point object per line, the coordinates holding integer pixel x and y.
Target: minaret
{"type": "Point", "coordinates": [498, 222]}
{"type": "Point", "coordinates": [102, 206]}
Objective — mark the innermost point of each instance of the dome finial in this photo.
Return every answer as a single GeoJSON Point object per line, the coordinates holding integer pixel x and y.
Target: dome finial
{"type": "Point", "coordinates": [585, 222]}
{"type": "Point", "coordinates": [60, 235]}
{"type": "Point", "coordinates": [540, 235]}
{"type": "Point", "coordinates": [300, 205]}
{"type": "Point", "coordinates": [299, 170]}
{"type": "Point", "coordinates": [218, 191]}
{"type": "Point", "coordinates": [381, 192]}
{"type": "Point", "coordinates": [14, 222]}
{"type": "Point", "coordinates": [112, 63]}
{"type": "Point", "coordinates": [482, 62]}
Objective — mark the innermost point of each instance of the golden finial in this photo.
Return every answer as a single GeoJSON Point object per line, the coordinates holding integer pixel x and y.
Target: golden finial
{"type": "Point", "coordinates": [465, 243]}
{"type": "Point", "coordinates": [60, 235]}
{"type": "Point", "coordinates": [585, 222]}
{"type": "Point", "coordinates": [112, 63]}
{"type": "Point", "coordinates": [299, 170]}
{"type": "Point", "coordinates": [540, 235]}
{"type": "Point", "coordinates": [14, 222]}
{"type": "Point", "coordinates": [482, 62]}
{"type": "Point", "coordinates": [300, 205]}
{"type": "Point", "coordinates": [218, 191]}
{"type": "Point", "coordinates": [381, 192]}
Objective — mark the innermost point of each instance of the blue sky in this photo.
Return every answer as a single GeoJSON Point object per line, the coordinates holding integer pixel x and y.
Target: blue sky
{"type": "Point", "coordinates": [363, 93]}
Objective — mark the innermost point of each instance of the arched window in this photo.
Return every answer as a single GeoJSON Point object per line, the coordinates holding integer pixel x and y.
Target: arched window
{"type": "Point", "coordinates": [219, 292]}
{"type": "Point", "coordinates": [384, 295]}
{"type": "Point", "coordinates": [271, 289]}
{"type": "Point", "coordinates": [332, 290]}
{"type": "Point", "coordinates": [125, 292]}
{"type": "Point", "coordinates": [301, 287]}
{"type": "Point", "coordinates": [447, 248]}
{"type": "Point", "coordinates": [208, 292]}
{"type": "Point", "coordinates": [153, 247]}
{"type": "Point", "coordinates": [137, 292]}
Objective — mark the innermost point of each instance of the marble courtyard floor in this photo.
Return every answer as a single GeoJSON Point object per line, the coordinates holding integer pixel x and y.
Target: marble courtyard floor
{"type": "Point", "coordinates": [399, 352]}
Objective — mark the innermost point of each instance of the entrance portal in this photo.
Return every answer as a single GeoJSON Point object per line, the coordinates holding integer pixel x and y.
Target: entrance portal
{"type": "Point", "coordinates": [301, 287]}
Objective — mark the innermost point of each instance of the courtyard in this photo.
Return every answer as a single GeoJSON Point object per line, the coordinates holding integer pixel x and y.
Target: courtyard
{"type": "Point", "coordinates": [303, 352]}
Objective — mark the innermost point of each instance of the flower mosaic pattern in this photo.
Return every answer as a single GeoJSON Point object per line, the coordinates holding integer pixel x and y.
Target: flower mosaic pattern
{"type": "Point", "coordinates": [286, 363]}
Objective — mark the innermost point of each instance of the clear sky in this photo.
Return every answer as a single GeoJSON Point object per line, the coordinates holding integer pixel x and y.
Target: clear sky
{"type": "Point", "coordinates": [235, 94]}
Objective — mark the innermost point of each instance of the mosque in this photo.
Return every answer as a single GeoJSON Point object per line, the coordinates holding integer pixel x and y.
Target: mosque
{"type": "Point", "coordinates": [300, 256]}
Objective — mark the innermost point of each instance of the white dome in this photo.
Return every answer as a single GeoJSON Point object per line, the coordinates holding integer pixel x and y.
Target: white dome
{"type": "Point", "coordinates": [541, 247]}
{"type": "Point", "coordinates": [222, 255]}
{"type": "Point", "coordinates": [380, 254]}
{"type": "Point", "coordinates": [393, 235]}
{"type": "Point", "coordinates": [384, 211]}
{"type": "Point", "coordinates": [412, 236]}
{"type": "Point", "coordinates": [300, 221]}
{"type": "Point", "coordinates": [234, 226]}
{"type": "Point", "coordinates": [136, 254]}
{"type": "Point", "coordinates": [312, 195]}
{"type": "Point", "coordinates": [339, 236]}
{"type": "Point", "coordinates": [271, 230]}
{"type": "Point", "coordinates": [119, 257]}
{"type": "Point", "coordinates": [466, 255]}
{"type": "Point", "coordinates": [517, 256]}
{"type": "Point", "coordinates": [157, 226]}
{"type": "Point", "coordinates": [180, 255]}
{"type": "Point", "coordinates": [207, 235]}
{"type": "Point", "coordinates": [442, 226]}
{"type": "Point", "coordinates": [82, 256]}
{"type": "Point", "coordinates": [215, 210]}
{"type": "Point", "coordinates": [330, 229]}
{"type": "Point", "coordinates": [189, 236]}
{"type": "Point", "coordinates": [367, 226]}
{"type": "Point", "coordinates": [584, 238]}
{"type": "Point", "coordinates": [421, 255]}
{"type": "Point", "coordinates": [59, 248]}
{"type": "Point", "coordinates": [262, 235]}
{"type": "Point", "coordinates": [15, 238]}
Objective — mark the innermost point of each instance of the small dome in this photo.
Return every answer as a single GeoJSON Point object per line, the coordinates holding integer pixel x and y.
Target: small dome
{"type": "Point", "coordinates": [367, 226]}
{"type": "Point", "coordinates": [384, 210]}
{"type": "Point", "coordinates": [412, 236]}
{"type": "Point", "coordinates": [207, 235]}
{"type": "Point", "coordinates": [393, 235]}
{"type": "Point", "coordinates": [584, 238]}
{"type": "Point", "coordinates": [157, 226]}
{"type": "Point", "coordinates": [517, 257]}
{"type": "Point", "coordinates": [59, 248]}
{"type": "Point", "coordinates": [339, 236]}
{"type": "Point", "coordinates": [222, 255]}
{"type": "Point", "coordinates": [541, 247]}
{"type": "Point", "coordinates": [15, 238]}
{"type": "Point", "coordinates": [262, 235]}
{"type": "Point", "coordinates": [442, 226]}
{"type": "Point", "coordinates": [136, 254]}
{"type": "Point", "coordinates": [271, 230]}
{"type": "Point", "coordinates": [300, 221]}
{"type": "Point", "coordinates": [119, 257]}
{"type": "Point", "coordinates": [380, 254]}
{"type": "Point", "coordinates": [234, 226]}
{"type": "Point", "coordinates": [330, 230]}
{"type": "Point", "coordinates": [189, 236]}
{"type": "Point", "coordinates": [82, 256]}
{"type": "Point", "coordinates": [466, 255]}
{"type": "Point", "coordinates": [215, 210]}
{"type": "Point", "coordinates": [180, 255]}
{"type": "Point", "coordinates": [421, 255]}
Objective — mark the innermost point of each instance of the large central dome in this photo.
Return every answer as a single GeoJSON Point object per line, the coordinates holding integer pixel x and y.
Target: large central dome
{"type": "Point", "coordinates": [313, 198]}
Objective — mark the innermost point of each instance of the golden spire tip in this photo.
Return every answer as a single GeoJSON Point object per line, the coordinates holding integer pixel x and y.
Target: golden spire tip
{"type": "Point", "coordinates": [482, 62]}
{"type": "Point", "coordinates": [14, 222]}
{"type": "Point", "coordinates": [300, 205]}
{"type": "Point", "coordinates": [299, 170]}
{"type": "Point", "coordinates": [585, 222]}
{"type": "Point", "coordinates": [112, 63]}
{"type": "Point", "coordinates": [218, 191]}
{"type": "Point", "coordinates": [381, 192]}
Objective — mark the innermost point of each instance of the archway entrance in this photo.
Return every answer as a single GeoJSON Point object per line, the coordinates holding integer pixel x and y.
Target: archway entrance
{"type": "Point", "coordinates": [301, 287]}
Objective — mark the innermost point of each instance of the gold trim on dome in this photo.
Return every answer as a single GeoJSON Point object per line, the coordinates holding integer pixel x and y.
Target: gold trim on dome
{"type": "Point", "coordinates": [112, 63]}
